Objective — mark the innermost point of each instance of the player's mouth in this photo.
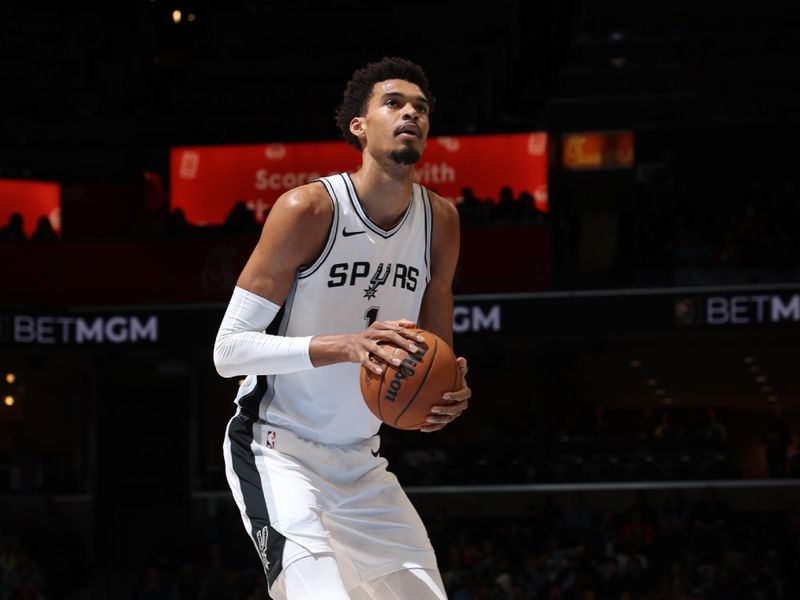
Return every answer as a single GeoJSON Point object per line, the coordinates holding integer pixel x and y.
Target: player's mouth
{"type": "Point", "coordinates": [409, 131]}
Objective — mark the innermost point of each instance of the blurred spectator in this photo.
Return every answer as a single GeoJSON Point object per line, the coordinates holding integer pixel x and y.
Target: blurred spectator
{"type": "Point", "coordinates": [187, 586]}
{"type": "Point", "coordinates": [241, 219]}
{"type": "Point", "coordinates": [44, 233]}
{"type": "Point", "coordinates": [665, 429]}
{"type": "Point", "coordinates": [608, 584]}
{"type": "Point", "coordinates": [542, 518]}
{"type": "Point", "coordinates": [636, 578]}
{"type": "Point", "coordinates": [506, 212]}
{"type": "Point", "coordinates": [14, 230]}
{"type": "Point", "coordinates": [636, 534]}
{"type": "Point", "coordinates": [674, 511]}
{"type": "Point", "coordinates": [708, 521]}
{"type": "Point", "coordinates": [216, 582]}
{"type": "Point", "coordinates": [713, 429]}
{"type": "Point", "coordinates": [676, 583]}
{"type": "Point", "coordinates": [470, 207]}
{"type": "Point", "coordinates": [776, 439]}
{"type": "Point", "coordinates": [646, 423]}
{"type": "Point", "coordinates": [508, 209]}
{"type": "Point", "coordinates": [577, 518]}
{"type": "Point", "coordinates": [642, 505]}
{"type": "Point", "coordinates": [530, 213]}
{"type": "Point", "coordinates": [177, 224]}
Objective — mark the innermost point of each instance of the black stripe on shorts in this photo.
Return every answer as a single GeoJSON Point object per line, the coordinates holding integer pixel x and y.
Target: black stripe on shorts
{"type": "Point", "coordinates": [269, 542]}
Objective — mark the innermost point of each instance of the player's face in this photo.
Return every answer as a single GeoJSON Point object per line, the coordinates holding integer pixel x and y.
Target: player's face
{"type": "Point", "coordinates": [396, 122]}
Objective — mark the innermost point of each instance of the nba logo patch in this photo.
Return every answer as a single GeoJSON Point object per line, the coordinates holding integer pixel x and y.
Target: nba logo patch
{"type": "Point", "coordinates": [271, 439]}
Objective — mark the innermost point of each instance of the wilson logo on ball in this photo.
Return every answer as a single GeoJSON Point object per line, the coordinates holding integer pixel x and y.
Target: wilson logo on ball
{"type": "Point", "coordinates": [405, 371]}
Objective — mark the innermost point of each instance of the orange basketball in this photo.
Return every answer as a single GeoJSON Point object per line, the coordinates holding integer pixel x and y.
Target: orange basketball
{"type": "Point", "coordinates": [402, 396]}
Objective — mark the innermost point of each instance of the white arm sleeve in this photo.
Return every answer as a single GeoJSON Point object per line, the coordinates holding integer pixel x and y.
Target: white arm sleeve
{"type": "Point", "coordinates": [242, 347]}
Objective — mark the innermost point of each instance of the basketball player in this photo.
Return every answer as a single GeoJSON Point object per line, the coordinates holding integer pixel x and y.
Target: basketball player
{"type": "Point", "coordinates": [352, 261]}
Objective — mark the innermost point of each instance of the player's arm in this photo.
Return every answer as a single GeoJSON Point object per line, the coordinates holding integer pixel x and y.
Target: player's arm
{"type": "Point", "coordinates": [293, 236]}
{"type": "Point", "coordinates": [436, 313]}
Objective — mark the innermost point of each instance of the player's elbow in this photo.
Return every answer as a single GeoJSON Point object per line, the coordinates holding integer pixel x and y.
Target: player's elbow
{"type": "Point", "coordinates": [222, 358]}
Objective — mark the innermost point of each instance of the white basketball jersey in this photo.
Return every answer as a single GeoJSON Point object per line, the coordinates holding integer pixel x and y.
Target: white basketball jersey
{"type": "Point", "coordinates": [365, 273]}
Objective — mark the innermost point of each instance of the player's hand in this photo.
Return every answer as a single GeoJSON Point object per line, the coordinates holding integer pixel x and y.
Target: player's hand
{"type": "Point", "coordinates": [455, 403]}
{"type": "Point", "coordinates": [366, 346]}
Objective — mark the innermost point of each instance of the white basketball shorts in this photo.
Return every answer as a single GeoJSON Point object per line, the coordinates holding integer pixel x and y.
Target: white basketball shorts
{"type": "Point", "coordinates": [299, 498]}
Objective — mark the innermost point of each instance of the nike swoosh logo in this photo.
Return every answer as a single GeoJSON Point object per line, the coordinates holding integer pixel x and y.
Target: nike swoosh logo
{"type": "Point", "coordinates": [374, 453]}
{"type": "Point", "coordinates": [346, 233]}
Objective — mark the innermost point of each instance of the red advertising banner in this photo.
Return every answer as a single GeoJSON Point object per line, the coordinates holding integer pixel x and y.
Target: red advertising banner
{"type": "Point", "coordinates": [32, 200]}
{"type": "Point", "coordinates": [207, 181]}
{"type": "Point", "coordinates": [599, 150]}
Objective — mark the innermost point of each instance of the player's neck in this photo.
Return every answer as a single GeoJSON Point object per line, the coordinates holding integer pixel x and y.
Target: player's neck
{"type": "Point", "coordinates": [384, 192]}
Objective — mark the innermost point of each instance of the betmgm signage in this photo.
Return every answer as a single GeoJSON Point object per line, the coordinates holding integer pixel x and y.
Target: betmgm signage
{"type": "Point", "coordinates": [68, 330]}
{"type": "Point", "coordinates": [718, 310]}
{"type": "Point", "coordinates": [159, 328]}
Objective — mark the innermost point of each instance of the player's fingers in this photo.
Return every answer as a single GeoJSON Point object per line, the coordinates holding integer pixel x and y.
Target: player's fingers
{"type": "Point", "coordinates": [385, 353]}
{"type": "Point", "coordinates": [410, 334]}
{"type": "Point", "coordinates": [432, 427]}
{"type": "Point", "coordinates": [435, 423]}
{"type": "Point", "coordinates": [396, 324]}
{"type": "Point", "coordinates": [368, 362]}
{"type": "Point", "coordinates": [409, 344]}
{"type": "Point", "coordinates": [406, 329]}
{"type": "Point", "coordinates": [459, 395]}
{"type": "Point", "coordinates": [462, 365]}
{"type": "Point", "coordinates": [452, 410]}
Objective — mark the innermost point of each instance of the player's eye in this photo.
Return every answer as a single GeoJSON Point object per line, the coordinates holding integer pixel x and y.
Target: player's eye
{"type": "Point", "coordinates": [422, 108]}
{"type": "Point", "coordinates": [392, 102]}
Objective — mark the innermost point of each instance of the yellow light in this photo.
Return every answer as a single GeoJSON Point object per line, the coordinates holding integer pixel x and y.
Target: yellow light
{"type": "Point", "coordinates": [9, 400]}
{"type": "Point", "coordinates": [10, 378]}
{"type": "Point", "coordinates": [241, 382]}
{"type": "Point", "coordinates": [176, 16]}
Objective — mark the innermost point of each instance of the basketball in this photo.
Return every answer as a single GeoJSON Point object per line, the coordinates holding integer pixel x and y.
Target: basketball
{"type": "Point", "coordinates": [402, 396]}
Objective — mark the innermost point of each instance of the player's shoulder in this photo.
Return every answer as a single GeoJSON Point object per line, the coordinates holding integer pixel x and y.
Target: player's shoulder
{"type": "Point", "coordinates": [309, 201]}
{"type": "Point", "coordinates": [442, 208]}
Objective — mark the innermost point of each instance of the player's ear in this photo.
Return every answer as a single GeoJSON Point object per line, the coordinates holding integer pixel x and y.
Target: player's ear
{"type": "Point", "coordinates": [358, 127]}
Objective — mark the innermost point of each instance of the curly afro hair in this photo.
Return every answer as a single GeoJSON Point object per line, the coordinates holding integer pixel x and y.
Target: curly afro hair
{"type": "Point", "coordinates": [359, 90]}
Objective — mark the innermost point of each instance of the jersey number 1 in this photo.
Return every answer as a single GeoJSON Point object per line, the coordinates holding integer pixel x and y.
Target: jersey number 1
{"type": "Point", "coordinates": [371, 315]}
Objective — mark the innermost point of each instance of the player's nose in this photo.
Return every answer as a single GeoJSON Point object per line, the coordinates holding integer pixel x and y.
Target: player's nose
{"type": "Point", "coordinates": [410, 111]}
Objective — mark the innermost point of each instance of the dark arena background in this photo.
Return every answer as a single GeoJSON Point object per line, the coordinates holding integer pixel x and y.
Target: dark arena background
{"type": "Point", "coordinates": [628, 292]}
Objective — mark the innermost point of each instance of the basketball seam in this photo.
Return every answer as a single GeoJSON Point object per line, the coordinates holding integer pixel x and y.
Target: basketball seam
{"type": "Point", "coordinates": [421, 383]}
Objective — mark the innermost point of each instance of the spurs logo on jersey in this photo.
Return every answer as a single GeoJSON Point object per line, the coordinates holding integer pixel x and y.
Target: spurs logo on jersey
{"type": "Point", "coordinates": [379, 278]}
{"type": "Point", "coordinates": [262, 537]}
{"type": "Point", "coordinates": [365, 273]}
{"type": "Point", "coordinates": [405, 277]}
